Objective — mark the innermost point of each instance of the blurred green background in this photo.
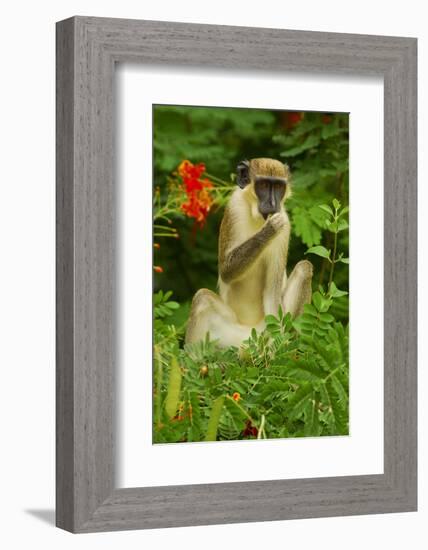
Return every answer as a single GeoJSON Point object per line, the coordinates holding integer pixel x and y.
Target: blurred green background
{"type": "Point", "coordinates": [313, 144]}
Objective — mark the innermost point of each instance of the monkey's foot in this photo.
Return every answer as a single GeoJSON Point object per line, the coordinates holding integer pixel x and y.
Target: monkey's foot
{"type": "Point", "coordinates": [305, 269]}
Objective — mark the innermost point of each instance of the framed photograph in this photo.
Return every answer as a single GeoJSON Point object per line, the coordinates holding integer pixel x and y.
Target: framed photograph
{"type": "Point", "coordinates": [236, 274]}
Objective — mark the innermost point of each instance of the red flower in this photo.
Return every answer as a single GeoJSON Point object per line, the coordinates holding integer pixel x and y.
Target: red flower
{"type": "Point", "coordinates": [249, 429]}
{"type": "Point", "coordinates": [158, 269]}
{"type": "Point", "coordinates": [189, 171]}
{"type": "Point", "coordinates": [236, 396]}
{"type": "Point", "coordinates": [293, 119]}
{"type": "Point", "coordinates": [199, 200]}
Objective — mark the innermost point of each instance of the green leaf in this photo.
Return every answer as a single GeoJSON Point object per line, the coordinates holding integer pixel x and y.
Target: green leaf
{"type": "Point", "coordinates": [336, 204]}
{"type": "Point", "coordinates": [342, 225]}
{"type": "Point", "coordinates": [335, 292]}
{"type": "Point", "coordinates": [305, 227]}
{"type": "Point", "coordinates": [271, 320]}
{"type": "Point", "coordinates": [319, 216]}
{"type": "Point", "coordinates": [319, 251]}
{"type": "Point", "coordinates": [309, 309]}
{"type": "Point", "coordinates": [304, 369]}
{"type": "Point", "coordinates": [335, 416]}
{"type": "Point", "coordinates": [344, 260]}
{"type": "Point", "coordinates": [326, 208]}
{"type": "Point", "coordinates": [320, 302]}
{"type": "Point", "coordinates": [332, 226]}
{"type": "Point", "coordinates": [299, 400]}
{"type": "Point", "coordinates": [326, 317]}
{"type": "Point", "coordinates": [216, 373]}
{"type": "Point", "coordinates": [341, 391]}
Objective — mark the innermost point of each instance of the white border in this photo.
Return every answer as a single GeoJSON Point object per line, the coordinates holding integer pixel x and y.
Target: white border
{"type": "Point", "coordinates": [140, 462]}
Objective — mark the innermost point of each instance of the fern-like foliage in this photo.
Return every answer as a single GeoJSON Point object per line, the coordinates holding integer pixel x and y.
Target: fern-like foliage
{"type": "Point", "coordinates": [162, 306]}
{"type": "Point", "coordinates": [290, 380]}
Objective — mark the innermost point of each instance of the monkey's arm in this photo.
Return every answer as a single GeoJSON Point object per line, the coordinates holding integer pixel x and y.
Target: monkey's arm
{"type": "Point", "coordinates": [239, 259]}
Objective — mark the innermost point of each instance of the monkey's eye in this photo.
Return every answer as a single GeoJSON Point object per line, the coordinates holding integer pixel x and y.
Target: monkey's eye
{"type": "Point", "coordinates": [263, 182]}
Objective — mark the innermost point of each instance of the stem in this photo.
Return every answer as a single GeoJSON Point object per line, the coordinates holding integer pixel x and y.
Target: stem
{"type": "Point", "coordinates": [325, 261]}
{"type": "Point", "coordinates": [240, 408]}
{"type": "Point", "coordinates": [261, 428]}
{"type": "Point", "coordinates": [330, 374]}
{"type": "Point", "coordinates": [333, 260]}
{"type": "Point", "coordinates": [258, 380]}
{"type": "Point", "coordinates": [173, 235]}
{"type": "Point", "coordinates": [218, 180]}
{"type": "Point", "coordinates": [223, 191]}
{"type": "Point", "coordinates": [164, 228]}
{"type": "Point", "coordinates": [158, 364]}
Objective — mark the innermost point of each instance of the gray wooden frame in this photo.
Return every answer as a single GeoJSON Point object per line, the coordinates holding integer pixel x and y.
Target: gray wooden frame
{"type": "Point", "coordinates": [87, 50]}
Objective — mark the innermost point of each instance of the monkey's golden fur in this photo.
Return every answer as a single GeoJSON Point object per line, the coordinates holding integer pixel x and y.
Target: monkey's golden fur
{"type": "Point", "coordinates": [268, 167]}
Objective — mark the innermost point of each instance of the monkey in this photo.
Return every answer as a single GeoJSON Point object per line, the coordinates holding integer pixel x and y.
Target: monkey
{"type": "Point", "coordinates": [252, 257]}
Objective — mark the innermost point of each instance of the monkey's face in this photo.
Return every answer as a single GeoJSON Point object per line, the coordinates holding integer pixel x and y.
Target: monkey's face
{"type": "Point", "coordinates": [267, 181]}
{"type": "Point", "coordinates": [270, 193]}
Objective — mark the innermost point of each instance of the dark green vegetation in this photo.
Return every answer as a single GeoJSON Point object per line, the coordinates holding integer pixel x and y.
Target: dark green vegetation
{"type": "Point", "coordinates": [291, 380]}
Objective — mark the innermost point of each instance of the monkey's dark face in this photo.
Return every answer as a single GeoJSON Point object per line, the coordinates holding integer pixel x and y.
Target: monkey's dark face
{"type": "Point", "coordinates": [267, 179]}
{"type": "Point", "coordinates": [270, 193]}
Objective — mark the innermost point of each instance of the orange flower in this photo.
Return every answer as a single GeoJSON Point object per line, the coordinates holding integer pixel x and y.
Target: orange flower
{"type": "Point", "coordinates": [199, 199]}
{"type": "Point", "coordinates": [236, 396]}
{"type": "Point", "coordinates": [158, 269]}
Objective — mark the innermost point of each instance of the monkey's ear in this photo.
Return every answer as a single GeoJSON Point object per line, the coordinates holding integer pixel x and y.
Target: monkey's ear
{"type": "Point", "coordinates": [243, 173]}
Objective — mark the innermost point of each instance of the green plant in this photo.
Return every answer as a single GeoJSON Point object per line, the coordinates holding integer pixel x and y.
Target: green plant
{"type": "Point", "coordinates": [335, 222]}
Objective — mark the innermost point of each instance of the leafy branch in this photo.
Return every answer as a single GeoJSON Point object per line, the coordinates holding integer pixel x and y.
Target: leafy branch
{"type": "Point", "coordinates": [290, 380]}
{"type": "Point", "coordinates": [334, 220]}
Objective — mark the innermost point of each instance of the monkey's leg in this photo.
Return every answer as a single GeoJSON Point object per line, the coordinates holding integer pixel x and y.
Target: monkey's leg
{"type": "Point", "coordinates": [298, 290]}
{"type": "Point", "coordinates": [209, 314]}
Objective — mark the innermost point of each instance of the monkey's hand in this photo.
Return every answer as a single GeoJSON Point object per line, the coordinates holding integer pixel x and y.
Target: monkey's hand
{"type": "Point", "coordinates": [276, 222]}
{"type": "Point", "coordinates": [239, 259]}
